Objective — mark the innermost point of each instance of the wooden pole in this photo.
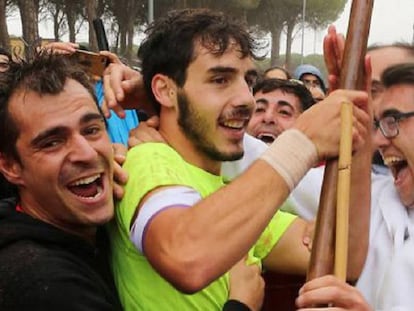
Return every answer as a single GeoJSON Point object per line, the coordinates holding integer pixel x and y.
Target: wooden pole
{"type": "Point", "coordinates": [352, 77]}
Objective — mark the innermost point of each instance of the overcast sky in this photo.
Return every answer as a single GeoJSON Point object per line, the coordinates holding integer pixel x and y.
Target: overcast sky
{"type": "Point", "coordinates": [392, 20]}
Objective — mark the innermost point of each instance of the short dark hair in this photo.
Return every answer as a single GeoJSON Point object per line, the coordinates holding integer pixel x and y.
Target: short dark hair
{"type": "Point", "coordinates": [398, 74]}
{"type": "Point", "coordinates": [44, 73]}
{"type": "Point", "coordinates": [284, 70]}
{"type": "Point", "coordinates": [294, 87]}
{"type": "Point", "coordinates": [169, 46]}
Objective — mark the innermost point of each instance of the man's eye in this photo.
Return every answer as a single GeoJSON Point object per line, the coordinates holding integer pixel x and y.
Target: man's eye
{"type": "Point", "coordinates": [50, 143]}
{"type": "Point", "coordinates": [285, 113]}
{"type": "Point", "coordinates": [259, 110]}
{"type": "Point", "coordinates": [93, 130]}
{"type": "Point", "coordinates": [220, 80]}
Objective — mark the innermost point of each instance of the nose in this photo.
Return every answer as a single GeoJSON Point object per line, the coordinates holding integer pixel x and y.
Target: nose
{"type": "Point", "coordinates": [269, 116]}
{"type": "Point", "coordinates": [379, 140]}
{"type": "Point", "coordinates": [244, 95]}
{"type": "Point", "coordinates": [82, 150]}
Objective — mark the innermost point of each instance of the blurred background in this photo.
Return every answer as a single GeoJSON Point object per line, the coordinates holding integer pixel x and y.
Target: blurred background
{"type": "Point", "coordinates": [292, 30]}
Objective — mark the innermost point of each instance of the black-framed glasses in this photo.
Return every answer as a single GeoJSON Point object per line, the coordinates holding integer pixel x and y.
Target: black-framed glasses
{"type": "Point", "coordinates": [389, 124]}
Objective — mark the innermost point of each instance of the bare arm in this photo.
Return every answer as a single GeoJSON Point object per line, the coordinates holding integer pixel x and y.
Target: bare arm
{"type": "Point", "coordinates": [179, 242]}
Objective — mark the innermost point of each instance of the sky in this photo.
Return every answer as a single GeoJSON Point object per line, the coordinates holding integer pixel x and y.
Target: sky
{"type": "Point", "coordinates": [392, 20]}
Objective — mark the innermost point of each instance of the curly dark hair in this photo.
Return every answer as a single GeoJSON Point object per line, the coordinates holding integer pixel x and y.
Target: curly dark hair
{"type": "Point", "coordinates": [169, 46]}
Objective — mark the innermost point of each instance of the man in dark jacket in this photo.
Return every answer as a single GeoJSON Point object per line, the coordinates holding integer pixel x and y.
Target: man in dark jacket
{"type": "Point", "coordinates": [55, 149]}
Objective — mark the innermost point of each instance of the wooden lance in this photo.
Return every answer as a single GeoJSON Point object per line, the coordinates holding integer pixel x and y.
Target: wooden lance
{"type": "Point", "coordinates": [331, 233]}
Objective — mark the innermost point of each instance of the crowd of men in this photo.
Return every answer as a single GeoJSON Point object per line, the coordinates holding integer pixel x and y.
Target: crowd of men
{"type": "Point", "coordinates": [220, 184]}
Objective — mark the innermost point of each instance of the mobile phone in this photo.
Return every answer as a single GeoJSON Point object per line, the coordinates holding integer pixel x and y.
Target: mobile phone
{"type": "Point", "coordinates": [92, 63]}
{"type": "Point", "coordinates": [100, 34]}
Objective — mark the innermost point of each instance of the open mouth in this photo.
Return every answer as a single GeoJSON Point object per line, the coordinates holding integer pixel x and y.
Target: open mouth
{"type": "Point", "coordinates": [89, 187]}
{"type": "Point", "coordinates": [396, 165]}
{"type": "Point", "coordinates": [268, 138]}
{"type": "Point", "coordinates": [234, 124]}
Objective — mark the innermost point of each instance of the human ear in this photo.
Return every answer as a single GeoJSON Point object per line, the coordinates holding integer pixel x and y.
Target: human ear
{"type": "Point", "coordinates": [11, 169]}
{"type": "Point", "coordinates": [164, 90]}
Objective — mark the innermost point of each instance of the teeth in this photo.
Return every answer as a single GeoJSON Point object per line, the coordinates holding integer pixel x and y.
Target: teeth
{"type": "Point", "coordinates": [234, 124]}
{"type": "Point", "coordinates": [98, 192]}
{"type": "Point", "coordinates": [392, 160]}
{"type": "Point", "coordinates": [86, 180]}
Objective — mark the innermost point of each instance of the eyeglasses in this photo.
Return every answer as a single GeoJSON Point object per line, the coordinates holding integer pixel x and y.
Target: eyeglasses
{"type": "Point", "coordinates": [389, 124]}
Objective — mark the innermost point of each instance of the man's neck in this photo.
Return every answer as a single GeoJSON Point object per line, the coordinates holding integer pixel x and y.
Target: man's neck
{"type": "Point", "coordinates": [88, 233]}
{"type": "Point", "coordinates": [180, 143]}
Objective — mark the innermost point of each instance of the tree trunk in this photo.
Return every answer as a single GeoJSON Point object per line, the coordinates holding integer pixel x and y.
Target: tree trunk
{"type": "Point", "coordinates": [4, 34]}
{"type": "Point", "coordinates": [29, 10]}
{"type": "Point", "coordinates": [275, 52]}
{"type": "Point", "coordinates": [289, 39]}
{"type": "Point", "coordinates": [71, 20]}
{"type": "Point", "coordinates": [91, 15]}
{"type": "Point", "coordinates": [122, 38]}
{"type": "Point", "coordinates": [56, 25]}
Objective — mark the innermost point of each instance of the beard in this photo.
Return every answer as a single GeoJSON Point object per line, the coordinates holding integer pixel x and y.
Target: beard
{"type": "Point", "coordinates": [197, 130]}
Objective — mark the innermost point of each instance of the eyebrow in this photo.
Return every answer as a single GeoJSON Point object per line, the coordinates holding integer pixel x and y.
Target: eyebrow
{"type": "Point", "coordinates": [252, 72]}
{"type": "Point", "coordinates": [390, 112]}
{"type": "Point", "coordinates": [262, 101]}
{"type": "Point", "coordinates": [222, 69]}
{"type": "Point", "coordinates": [285, 103]}
{"type": "Point", "coordinates": [61, 130]}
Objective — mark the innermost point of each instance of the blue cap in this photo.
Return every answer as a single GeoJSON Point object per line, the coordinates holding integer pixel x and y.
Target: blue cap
{"type": "Point", "coordinates": [309, 69]}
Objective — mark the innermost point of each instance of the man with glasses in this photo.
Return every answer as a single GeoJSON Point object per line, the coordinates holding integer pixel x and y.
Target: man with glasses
{"type": "Point", "coordinates": [387, 279]}
{"type": "Point", "coordinates": [388, 276]}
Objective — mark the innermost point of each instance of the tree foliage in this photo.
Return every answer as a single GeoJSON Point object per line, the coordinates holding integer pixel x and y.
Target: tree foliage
{"type": "Point", "coordinates": [124, 18]}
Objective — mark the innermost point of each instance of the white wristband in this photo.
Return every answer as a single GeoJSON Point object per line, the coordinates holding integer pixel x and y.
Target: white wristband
{"type": "Point", "coordinates": [292, 154]}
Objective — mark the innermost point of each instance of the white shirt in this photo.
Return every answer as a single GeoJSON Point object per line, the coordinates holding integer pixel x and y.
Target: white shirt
{"type": "Point", "coordinates": [304, 198]}
{"type": "Point", "coordinates": [387, 280]}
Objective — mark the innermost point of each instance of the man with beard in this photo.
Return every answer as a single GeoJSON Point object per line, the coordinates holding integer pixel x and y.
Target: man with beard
{"type": "Point", "coordinates": [178, 229]}
{"type": "Point", "coordinates": [53, 249]}
{"type": "Point", "coordinates": [278, 104]}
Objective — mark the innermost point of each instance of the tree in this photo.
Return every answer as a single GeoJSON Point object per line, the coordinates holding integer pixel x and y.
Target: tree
{"type": "Point", "coordinates": [29, 14]}
{"type": "Point", "coordinates": [127, 14]}
{"type": "Point", "coordinates": [4, 34]}
{"type": "Point", "coordinates": [274, 16]}
{"type": "Point", "coordinates": [73, 12]}
{"type": "Point", "coordinates": [54, 8]}
{"type": "Point", "coordinates": [91, 6]}
{"type": "Point", "coordinates": [319, 14]}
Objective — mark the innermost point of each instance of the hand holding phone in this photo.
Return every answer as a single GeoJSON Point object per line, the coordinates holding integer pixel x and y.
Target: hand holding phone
{"type": "Point", "coordinates": [92, 63]}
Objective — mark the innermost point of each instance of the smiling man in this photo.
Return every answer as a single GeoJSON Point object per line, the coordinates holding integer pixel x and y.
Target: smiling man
{"type": "Point", "coordinates": [55, 149]}
{"type": "Point", "coordinates": [387, 279]}
{"type": "Point", "coordinates": [278, 104]}
{"type": "Point", "coordinates": [179, 228]}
